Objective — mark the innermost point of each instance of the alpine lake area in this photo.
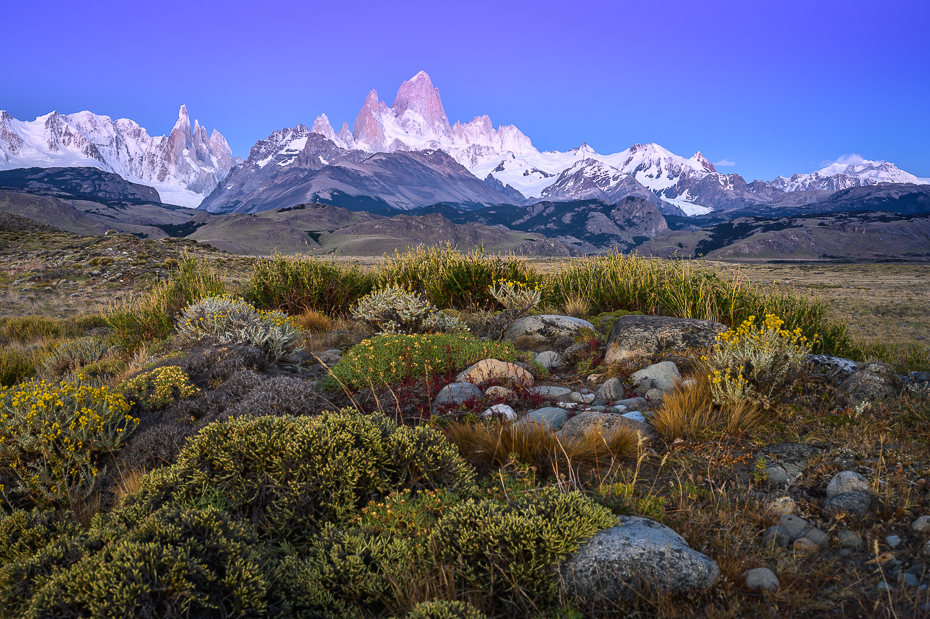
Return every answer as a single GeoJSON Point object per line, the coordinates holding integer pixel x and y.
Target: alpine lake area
{"type": "Point", "coordinates": [185, 432]}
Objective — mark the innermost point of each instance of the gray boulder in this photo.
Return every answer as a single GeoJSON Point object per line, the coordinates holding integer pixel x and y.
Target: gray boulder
{"type": "Point", "coordinates": [662, 376]}
{"type": "Point", "coordinates": [547, 328]}
{"type": "Point", "coordinates": [550, 417]}
{"type": "Point", "coordinates": [871, 383]}
{"type": "Point", "coordinates": [853, 503]}
{"type": "Point", "coordinates": [551, 392]}
{"type": "Point", "coordinates": [633, 336]}
{"type": "Point", "coordinates": [612, 389]}
{"type": "Point", "coordinates": [761, 578]}
{"type": "Point", "coordinates": [833, 367]}
{"type": "Point", "coordinates": [456, 393]}
{"type": "Point", "coordinates": [847, 481]}
{"type": "Point", "coordinates": [608, 423]}
{"type": "Point", "coordinates": [549, 360]}
{"type": "Point", "coordinates": [639, 555]}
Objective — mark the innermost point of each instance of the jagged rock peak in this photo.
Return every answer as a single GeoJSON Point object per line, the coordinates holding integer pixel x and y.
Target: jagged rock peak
{"type": "Point", "coordinates": [701, 159]}
{"type": "Point", "coordinates": [418, 95]}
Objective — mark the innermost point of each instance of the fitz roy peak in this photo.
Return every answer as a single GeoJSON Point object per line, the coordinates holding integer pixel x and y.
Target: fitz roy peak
{"type": "Point", "coordinates": [183, 166]}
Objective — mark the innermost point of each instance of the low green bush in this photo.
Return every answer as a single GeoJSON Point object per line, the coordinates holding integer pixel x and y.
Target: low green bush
{"type": "Point", "coordinates": [444, 609]}
{"type": "Point", "coordinates": [234, 321]}
{"type": "Point", "coordinates": [73, 355]}
{"type": "Point", "coordinates": [392, 359]}
{"type": "Point", "coordinates": [392, 311]}
{"type": "Point", "coordinates": [159, 388]}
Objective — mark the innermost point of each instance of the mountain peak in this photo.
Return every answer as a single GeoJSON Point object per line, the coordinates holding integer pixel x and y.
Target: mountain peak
{"type": "Point", "coordinates": [702, 160]}
{"type": "Point", "coordinates": [419, 96]}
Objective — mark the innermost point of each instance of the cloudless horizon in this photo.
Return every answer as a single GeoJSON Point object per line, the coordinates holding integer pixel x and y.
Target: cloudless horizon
{"type": "Point", "coordinates": [773, 88]}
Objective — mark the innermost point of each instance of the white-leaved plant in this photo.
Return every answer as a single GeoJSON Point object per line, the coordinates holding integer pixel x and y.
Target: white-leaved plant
{"type": "Point", "coordinates": [394, 311]}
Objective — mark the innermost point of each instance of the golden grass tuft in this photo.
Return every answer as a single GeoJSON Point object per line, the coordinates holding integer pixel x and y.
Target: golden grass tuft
{"type": "Point", "coordinates": [577, 305]}
{"type": "Point", "coordinates": [689, 412]}
{"type": "Point", "coordinates": [313, 321]}
{"type": "Point", "coordinates": [495, 444]}
{"type": "Point", "coordinates": [128, 482]}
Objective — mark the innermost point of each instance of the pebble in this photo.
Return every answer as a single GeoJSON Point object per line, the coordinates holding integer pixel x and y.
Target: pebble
{"type": "Point", "coordinates": [761, 578]}
{"type": "Point", "coordinates": [925, 549]}
{"type": "Point", "coordinates": [848, 539]}
{"type": "Point", "coordinates": [776, 537]}
{"type": "Point", "coordinates": [805, 545]}
{"type": "Point", "coordinates": [497, 391]}
{"type": "Point", "coordinates": [909, 580]}
{"type": "Point", "coordinates": [893, 540]}
{"type": "Point", "coordinates": [635, 416]}
{"type": "Point", "coordinates": [921, 524]}
{"type": "Point", "coordinates": [853, 503]}
{"type": "Point", "coordinates": [884, 587]}
{"type": "Point", "coordinates": [779, 506]}
{"type": "Point", "coordinates": [501, 410]}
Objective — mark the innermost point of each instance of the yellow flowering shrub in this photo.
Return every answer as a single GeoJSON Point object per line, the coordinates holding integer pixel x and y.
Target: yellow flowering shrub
{"type": "Point", "coordinates": [756, 362]}
{"type": "Point", "coordinates": [230, 320]}
{"type": "Point", "coordinates": [159, 388]}
{"type": "Point", "coordinates": [515, 295]}
{"type": "Point", "coordinates": [53, 434]}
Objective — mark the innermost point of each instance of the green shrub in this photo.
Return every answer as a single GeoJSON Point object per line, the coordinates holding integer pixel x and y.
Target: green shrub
{"type": "Point", "coordinates": [53, 435]}
{"type": "Point", "coordinates": [294, 284]}
{"type": "Point", "coordinates": [151, 316]}
{"type": "Point", "coordinates": [289, 476]}
{"type": "Point", "coordinates": [18, 363]}
{"type": "Point", "coordinates": [73, 355]}
{"type": "Point", "coordinates": [392, 359]}
{"type": "Point", "coordinates": [160, 387]}
{"type": "Point", "coordinates": [24, 533]}
{"type": "Point", "coordinates": [393, 311]}
{"type": "Point", "coordinates": [450, 279]}
{"type": "Point", "coordinates": [507, 550]}
{"type": "Point", "coordinates": [233, 321]}
{"type": "Point", "coordinates": [444, 609]}
{"type": "Point", "coordinates": [756, 363]}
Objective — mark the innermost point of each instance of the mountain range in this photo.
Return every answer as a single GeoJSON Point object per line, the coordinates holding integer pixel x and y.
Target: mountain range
{"type": "Point", "coordinates": [404, 156]}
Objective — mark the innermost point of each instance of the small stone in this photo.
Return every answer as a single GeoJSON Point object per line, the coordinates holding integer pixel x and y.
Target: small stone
{"type": "Point", "coordinates": [494, 370]}
{"type": "Point", "coordinates": [917, 569]}
{"type": "Point", "coordinates": [595, 378]}
{"type": "Point", "coordinates": [893, 540]}
{"type": "Point", "coordinates": [848, 539]}
{"type": "Point", "coordinates": [655, 395]}
{"type": "Point", "coordinates": [549, 360]}
{"type": "Point", "coordinates": [818, 537]}
{"type": "Point", "coordinates": [921, 524]}
{"type": "Point", "coordinates": [551, 392]}
{"type": "Point", "coordinates": [635, 416]}
{"type": "Point", "coordinates": [575, 397]}
{"type": "Point", "coordinates": [457, 393]}
{"type": "Point", "coordinates": [776, 537]}
{"type": "Point", "coordinates": [500, 410]}
{"type": "Point", "coordinates": [587, 398]}
{"type": "Point", "coordinates": [551, 418]}
{"type": "Point", "coordinates": [909, 580]}
{"type": "Point", "coordinates": [884, 587]}
{"type": "Point", "coordinates": [853, 503]}
{"type": "Point", "coordinates": [925, 549]}
{"type": "Point", "coordinates": [761, 578]}
{"type": "Point", "coordinates": [804, 544]}
{"type": "Point", "coordinates": [599, 402]}
{"type": "Point", "coordinates": [612, 389]}
{"type": "Point", "coordinates": [597, 409]}
{"type": "Point", "coordinates": [633, 403]}
{"type": "Point", "coordinates": [846, 552]}
{"type": "Point", "coordinates": [498, 393]}
{"type": "Point", "coordinates": [794, 526]}
{"type": "Point", "coordinates": [847, 481]}
{"type": "Point", "coordinates": [662, 376]}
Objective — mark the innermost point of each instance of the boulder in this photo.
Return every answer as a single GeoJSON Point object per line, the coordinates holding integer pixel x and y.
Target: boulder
{"type": "Point", "coordinates": [456, 393]}
{"type": "Point", "coordinates": [833, 367]}
{"type": "Point", "coordinates": [847, 481]}
{"type": "Point", "coordinates": [498, 393]}
{"type": "Point", "coordinates": [608, 423]}
{"type": "Point", "coordinates": [551, 393]}
{"type": "Point", "coordinates": [633, 336]}
{"type": "Point", "coordinates": [871, 383]}
{"type": "Point", "coordinates": [612, 389]}
{"type": "Point", "coordinates": [639, 555]}
{"type": "Point", "coordinates": [546, 329]}
{"type": "Point", "coordinates": [662, 376]}
{"type": "Point", "coordinates": [853, 503]}
{"type": "Point", "coordinates": [500, 410]}
{"type": "Point", "coordinates": [550, 417]}
{"type": "Point", "coordinates": [761, 578]}
{"type": "Point", "coordinates": [493, 370]}
{"type": "Point", "coordinates": [549, 360]}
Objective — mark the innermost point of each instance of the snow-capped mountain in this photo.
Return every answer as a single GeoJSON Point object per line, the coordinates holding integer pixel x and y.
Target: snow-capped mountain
{"type": "Point", "coordinates": [837, 176]}
{"type": "Point", "coordinates": [183, 166]}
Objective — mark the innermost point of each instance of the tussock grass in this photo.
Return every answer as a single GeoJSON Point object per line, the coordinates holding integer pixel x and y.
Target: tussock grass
{"type": "Point", "coordinates": [313, 321]}
{"type": "Point", "coordinates": [689, 412]}
{"type": "Point", "coordinates": [19, 362]}
{"type": "Point", "coordinates": [494, 444]}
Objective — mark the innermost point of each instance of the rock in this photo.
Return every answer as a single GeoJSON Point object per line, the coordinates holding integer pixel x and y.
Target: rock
{"type": "Point", "coordinates": [640, 554]}
{"type": "Point", "coordinates": [633, 336]}
{"type": "Point", "coordinates": [925, 549]}
{"type": "Point", "coordinates": [848, 539]}
{"type": "Point", "coordinates": [794, 526]}
{"type": "Point", "coordinates": [635, 416]}
{"type": "Point", "coordinates": [498, 393]}
{"type": "Point", "coordinates": [776, 537]}
{"type": "Point", "coordinates": [786, 461]}
{"type": "Point", "coordinates": [500, 410]}
{"type": "Point", "coordinates": [595, 378]}
{"type": "Point", "coordinates": [581, 398]}
{"type": "Point", "coordinates": [634, 404]}
{"type": "Point", "coordinates": [612, 389]}
{"type": "Point", "coordinates": [821, 539]}
{"type": "Point", "coordinates": [551, 417]}
{"type": "Point", "coordinates": [847, 481]}
{"type": "Point", "coordinates": [917, 569]}
{"type": "Point", "coordinates": [775, 474]}
{"type": "Point", "coordinates": [893, 541]}
{"type": "Point", "coordinates": [547, 328]}
{"type": "Point", "coordinates": [457, 393]}
{"type": "Point", "coordinates": [327, 357]}
{"type": "Point", "coordinates": [761, 578]}
{"type": "Point", "coordinates": [853, 503]}
{"type": "Point", "coordinates": [575, 353]}
{"type": "Point", "coordinates": [655, 395]}
{"type": "Point", "coordinates": [909, 580]}
{"type": "Point", "coordinates": [551, 392]}
{"type": "Point", "coordinates": [662, 376]}
{"type": "Point", "coordinates": [921, 524]}
{"type": "Point", "coordinates": [779, 506]}
{"type": "Point", "coordinates": [549, 360]}
{"type": "Point", "coordinates": [871, 383]}
{"type": "Point", "coordinates": [884, 587]}
{"type": "Point", "coordinates": [494, 370]}
{"type": "Point", "coordinates": [804, 544]}
{"type": "Point", "coordinates": [609, 424]}
{"type": "Point", "coordinates": [834, 367]}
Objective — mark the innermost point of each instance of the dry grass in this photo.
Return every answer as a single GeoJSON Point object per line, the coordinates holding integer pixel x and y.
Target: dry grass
{"type": "Point", "coordinates": [578, 306]}
{"type": "Point", "coordinates": [127, 482]}
{"type": "Point", "coordinates": [313, 321]}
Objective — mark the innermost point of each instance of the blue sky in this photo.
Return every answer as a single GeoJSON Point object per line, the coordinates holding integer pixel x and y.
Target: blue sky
{"type": "Point", "coordinates": [773, 87]}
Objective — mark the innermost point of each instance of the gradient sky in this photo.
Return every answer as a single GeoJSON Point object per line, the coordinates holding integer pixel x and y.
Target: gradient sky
{"type": "Point", "coordinates": [774, 87]}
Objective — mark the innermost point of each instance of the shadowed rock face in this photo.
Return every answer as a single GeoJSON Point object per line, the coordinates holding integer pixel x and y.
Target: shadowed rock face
{"type": "Point", "coordinates": [639, 555]}
{"type": "Point", "coordinates": [873, 382]}
{"type": "Point", "coordinates": [546, 328]}
{"type": "Point", "coordinates": [649, 335]}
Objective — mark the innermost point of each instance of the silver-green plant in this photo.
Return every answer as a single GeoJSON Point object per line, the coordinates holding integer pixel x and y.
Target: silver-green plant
{"type": "Point", "coordinates": [230, 320]}
{"type": "Point", "coordinates": [73, 355]}
{"type": "Point", "coordinates": [394, 311]}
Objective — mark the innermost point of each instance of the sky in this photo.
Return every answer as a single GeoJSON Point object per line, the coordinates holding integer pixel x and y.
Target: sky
{"type": "Point", "coordinates": [761, 88]}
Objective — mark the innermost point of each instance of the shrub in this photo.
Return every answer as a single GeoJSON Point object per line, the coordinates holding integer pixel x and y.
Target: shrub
{"type": "Point", "coordinates": [391, 359]}
{"type": "Point", "coordinates": [53, 435]}
{"type": "Point", "coordinates": [508, 550]}
{"type": "Point", "coordinates": [160, 387]}
{"type": "Point", "coordinates": [393, 311]}
{"type": "Point", "coordinates": [756, 363]}
{"type": "Point", "coordinates": [313, 321]}
{"type": "Point", "coordinates": [289, 476]}
{"type": "Point", "coordinates": [24, 533]}
{"type": "Point", "coordinates": [295, 284]}
{"type": "Point", "coordinates": [444, 609]}
{"type": "Point", "coordinates": [689, 412]}
{"type": "Point", "coordinates": [18, 363]}
{"type": "Point", "coordinates": [450, 279]}
{"type": "Point", "coordinates": [152, 316]}
{"type": "Point", "coordinates": [73, 355]}
{"type": "Point", "coordinates": [228, 320]}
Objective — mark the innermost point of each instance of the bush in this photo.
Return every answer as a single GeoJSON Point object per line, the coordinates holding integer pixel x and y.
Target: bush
{"type": "Point", "coordinates": [508, 550]}
{"type": "Point", "coordinates": [289, 476]}
{"type": "Point", "coordinates": [160, 387]}
{"type": "Point", "coordinates": [756, 363]}
{"type": "Point", "coordinates": [73, 355]}
{"type": "Point", "coordinates": [450, 279]}
{"type": "Point", "coordinates": [295, 284]}
{"type": "Point", "coordinates": [53, 435]}
{"type": "Point", "coordinates": [152, 316]}
{"type": "Point", "coordinates": [18, 363]}
{"type": "Point", "coordinates": [393, 311]}
{"type": "Point", "coordinates": [444, 609]}
{"type": "Point", "coordinates": [233, 321]}
{"type": "Point", "coordinates": [24, 533]}
{"type": "Point", "coordinates": [392, 359]}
